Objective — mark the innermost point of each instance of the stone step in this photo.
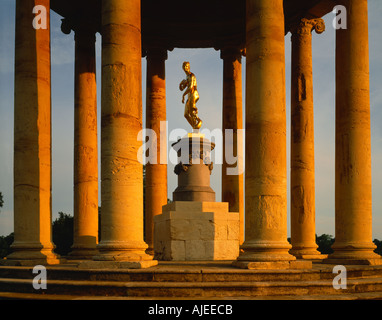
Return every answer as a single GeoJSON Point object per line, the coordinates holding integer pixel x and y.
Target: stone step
{"type": "Point", "coordinates": [182, 273]}
{"type": "Point", "coordinates": [192, 289]}
{"type": "Point", "coordinates": [36, 296]}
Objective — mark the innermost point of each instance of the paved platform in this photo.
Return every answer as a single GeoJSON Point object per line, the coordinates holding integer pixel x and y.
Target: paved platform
{"type": "Point", "coordinates": [191, 281]}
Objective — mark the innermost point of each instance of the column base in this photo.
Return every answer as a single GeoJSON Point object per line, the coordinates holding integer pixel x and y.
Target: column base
{"type": "Point", "coordinates": [363, 262]}
{"type": "Point", "coordinates": [307, 253]}
{"type": "Point", "coordinates": [32, 262]}
{"type": "Point", "coordinates": [82, 253]}
{"type": "Point", "coordinates": [117, 264]}
{"type": "Point", "coordinates": [317, 256]}
{"type": "Point", "coordinates": [269, 265]}
{"type": "Point", "coordinates": [150, 251]}
{"type": "Point", "coordinates": [268, 255]}
{"type": "Point", "coordinates": [354, 254]}
{"type": "Point", "coordinates": [120, 254]}
{"type": "Point", "coordinates": [31, 254]}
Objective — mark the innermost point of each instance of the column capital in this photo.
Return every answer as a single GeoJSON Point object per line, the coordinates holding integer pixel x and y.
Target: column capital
{"type": "Point", "coordinates": [306, 26]}
{"type": "Point", "coordinates": [231, 53]}
{"type": "Point", "coordinates": [155, 52]}
{"type": "Point", "coordinates": [81, 29]}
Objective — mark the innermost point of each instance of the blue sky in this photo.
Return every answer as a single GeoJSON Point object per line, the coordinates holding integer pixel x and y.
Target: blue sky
{"type": "Point", "coordinates": [208, 67]}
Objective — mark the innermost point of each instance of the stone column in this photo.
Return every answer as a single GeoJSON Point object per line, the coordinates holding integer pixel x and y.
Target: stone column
{"type": "Point", "coordinates": [32, 140]}
{"type": "Point", "coordinates": [353, 205]}
{"type": "Point", "coordinates": [303, 234]}
{"type": "Point", "coordinates": [156, 173]}
{"type": "Point", "coordinates": [232, 181]}
{"type": "Point", "coordinates": [85, 147]}
{"type": "Point", "coordinates": [121, 120]}
{"type": "Point", "coordinates": [265, 242]}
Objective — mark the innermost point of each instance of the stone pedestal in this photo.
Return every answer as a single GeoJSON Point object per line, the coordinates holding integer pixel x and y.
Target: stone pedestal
{"type": "Point", "coordinates": [194, 168]}
{"type": "Point", "coordinates": [194, 226]}
{"type": "Point", "coordinates": [190, 230]}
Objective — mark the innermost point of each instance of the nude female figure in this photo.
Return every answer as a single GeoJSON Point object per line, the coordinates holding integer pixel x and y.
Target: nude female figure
{"type": "Point", "coordinates": [190, 110]}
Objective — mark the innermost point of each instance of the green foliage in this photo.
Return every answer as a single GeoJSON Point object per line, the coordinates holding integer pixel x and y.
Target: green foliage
{"type": "Point", "coordinates": [378, 243]}
{"type": "Point", "coordinates": [62, 236]}
{"type": "Point", "coordinates": [1, 200]}
{"type": "Point", "coordinates": [324, 243]}
{"type": "Point", "coordinates": [63, 233]}
{"type": "Point", "coordinates": [5, 245]}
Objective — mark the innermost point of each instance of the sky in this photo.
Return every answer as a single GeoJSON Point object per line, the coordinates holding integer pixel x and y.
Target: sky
{"type": "Point", "coordinates": [208, 68]}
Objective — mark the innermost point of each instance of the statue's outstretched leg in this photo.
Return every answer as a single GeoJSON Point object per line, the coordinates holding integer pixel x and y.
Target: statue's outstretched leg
{"type": "Point", "coordinates": [196, 119]}
{"type": "Point", "coordinates": [198, 124]}
{"type": "Point", "coordinates": [187, 115]}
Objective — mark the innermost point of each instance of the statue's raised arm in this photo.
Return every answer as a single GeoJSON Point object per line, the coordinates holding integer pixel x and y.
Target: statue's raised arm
{"type": "Point", "coordinates": [190, 110]}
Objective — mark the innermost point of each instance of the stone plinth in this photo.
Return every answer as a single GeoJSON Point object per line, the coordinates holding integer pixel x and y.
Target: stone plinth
{"type": "Point", "coordinates": [86, 264]}
{"type": "Point", "coordinates": [194, 168]}
{"type": "Point", "coordinates": [269, 265]}
{"type": "Point", "coordinates": [196, 231]}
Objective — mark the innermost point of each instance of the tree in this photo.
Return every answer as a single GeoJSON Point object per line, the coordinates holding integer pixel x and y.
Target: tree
{"type": "Point", "coordinates": [324, 243]}
{"type": "Point", "coordinates": [378, 243]}
{"type": "Point", "coordinates": [63, 233]}
{"type": "Point", "coordinates": [1, 200]}
{"type": "Point", "coordinates": [5, 245]}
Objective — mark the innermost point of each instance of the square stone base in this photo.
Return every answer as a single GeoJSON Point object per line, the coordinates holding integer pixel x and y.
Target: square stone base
{"type": "Point", "coordinates": [188, 230]}
{"type": "Point", "coordinates": [117, 264]}
{"type": "Point", "coordinates": [365, 262]}
{"type": "Point", "coordinates": [312, 256]}
{"type": "Point", "coordinates": [31, 262]}
{"type": "Point", "coordinates": [261, 265]}
{"type": "Point", "coordinates": [32, 256]}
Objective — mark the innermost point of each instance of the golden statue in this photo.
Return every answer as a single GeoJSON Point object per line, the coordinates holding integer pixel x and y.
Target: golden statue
{"type": "Point", "coordinates": [190, 110]}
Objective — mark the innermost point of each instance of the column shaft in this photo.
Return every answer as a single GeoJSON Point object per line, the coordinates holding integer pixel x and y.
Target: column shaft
{"type": "Point", "coordinates": [303, 235]}
{"type": "Point", "coordinates": [232, 181]}
{"type": "Point", "coordinates": [85, 148]}
{"type": "Point", "coordinates": [32, 140]}
{"type": "Point", "coordinates": [353, 206]}
{"type": "Point", "coordinates": [265, 174]}
{"type": "Point", "coordinates": [156, 174]}
{"type": "Point", "coordinates": [121, 120]}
